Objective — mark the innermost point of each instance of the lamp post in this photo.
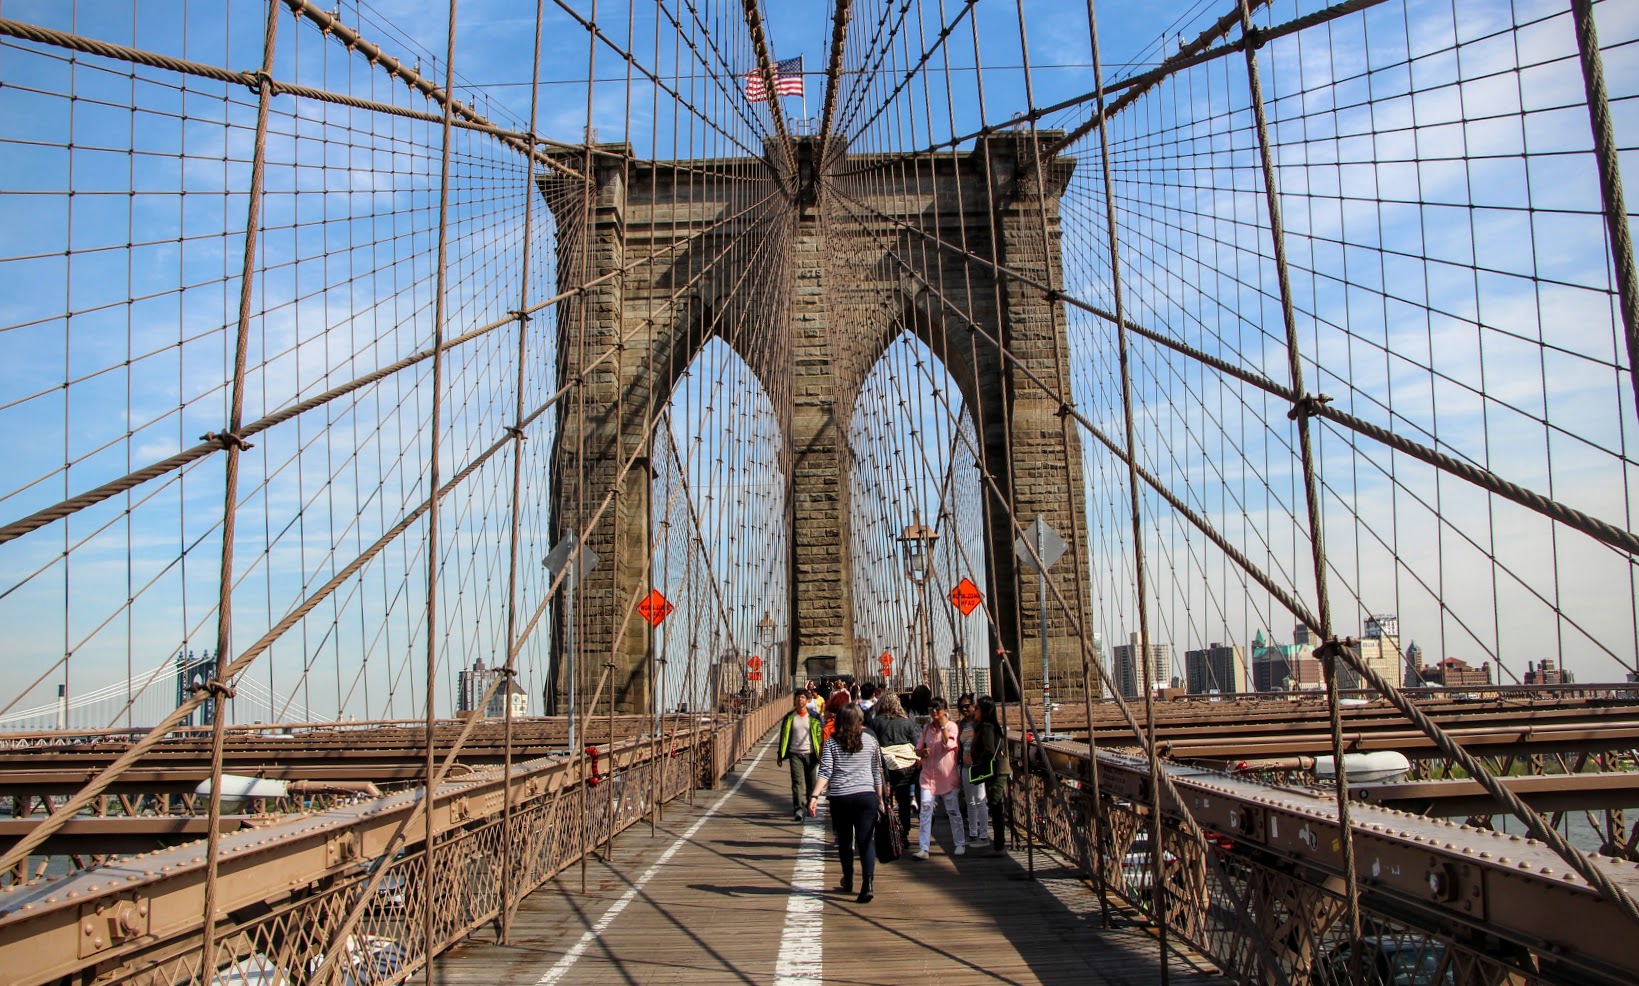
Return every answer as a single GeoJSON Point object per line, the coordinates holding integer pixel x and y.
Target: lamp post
{"type": "Point", "coordinates": [916, 544]}
{"type": "Point", "coordinates": [765, 638]}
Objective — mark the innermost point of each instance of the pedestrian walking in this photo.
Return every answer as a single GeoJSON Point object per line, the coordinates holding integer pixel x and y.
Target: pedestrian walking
{"type": "Point", "coordinates": [800, 747]}
{"type": "Point", "coordinates": [975, 802]}
{"type": "Point", "coordinates": [897, 733]}
{"type": "Point", "coordinates": [850, 774]}
{"type": "Point", "coordinates": [991, 767]}
{"type": "Point", "coordinates": [940, 746]}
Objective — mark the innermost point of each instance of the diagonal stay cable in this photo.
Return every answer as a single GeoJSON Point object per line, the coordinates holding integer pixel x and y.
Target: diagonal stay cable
{"type": "Point", "coordinates": [1535, 823]}
{"type": "Point", "coordinates": [74, 504]}
{"type": "Point", "coordinates": [1610, 534]}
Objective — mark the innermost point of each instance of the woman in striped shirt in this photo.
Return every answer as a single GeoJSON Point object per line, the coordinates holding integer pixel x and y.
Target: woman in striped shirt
{"type": "Point", "coordinates": [851, 773]}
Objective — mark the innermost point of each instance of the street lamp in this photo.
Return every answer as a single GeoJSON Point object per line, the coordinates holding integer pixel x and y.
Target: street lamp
{"type": "Point", "coordinates": [916, 545]}
{"type": "Point", "coordinates": [765, 637]}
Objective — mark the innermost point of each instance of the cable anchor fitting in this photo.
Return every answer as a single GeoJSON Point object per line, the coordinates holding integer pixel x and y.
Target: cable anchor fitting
{"type": "Point", "coordinates": [255, 80]}
{"type": "Point", "coordinates": [226, 440]}
{"type": "Point", "coordinates": [520, 315]}
{"type": "Point", "coordinates": [516, 431]}
{"type": "Point", "coordinates": [1334, 646]}
{"type": "Point", "coordinates": [1253, 37]}
{"type": "Point", "coordinates": [1307, 406]}
{"type": "Point", "coordinates": [216, 687]}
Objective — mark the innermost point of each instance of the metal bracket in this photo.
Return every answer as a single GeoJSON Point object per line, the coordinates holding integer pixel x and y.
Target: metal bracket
{"type": "Point", "coordinates": [342, 848]}
{"type": "Point", "coordinates": [107, 923]}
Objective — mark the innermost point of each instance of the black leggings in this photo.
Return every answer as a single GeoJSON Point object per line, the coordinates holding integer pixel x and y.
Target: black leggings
{"type": "Point", "coordinates": [853, 819]}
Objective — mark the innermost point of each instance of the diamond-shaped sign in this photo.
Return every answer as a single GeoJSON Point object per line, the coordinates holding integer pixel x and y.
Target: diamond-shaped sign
{"type": "Point", "coordinates": [654, 607]}
{"type": "Point", "coordinates": [1039, 540]}
{"type": "Point", "coordinates": [755, 664]}
{"type": "Point", "coordinates": [966, 596]}
{"type": "Point", "coordinates": [887, 660]}
{"type": "Point", "coordinates": [555, 561]}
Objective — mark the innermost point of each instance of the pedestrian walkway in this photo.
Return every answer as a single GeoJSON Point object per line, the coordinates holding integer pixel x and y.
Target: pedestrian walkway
{"type": "Point", "coordinates": [731, 890]}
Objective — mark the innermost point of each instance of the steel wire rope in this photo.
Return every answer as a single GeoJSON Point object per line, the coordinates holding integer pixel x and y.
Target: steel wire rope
{"type": "Point", "coordinates": [1533, 821]}
{"type": "Point", "coordinates": [245, 658]}
{"type": "Point", "coordinates": [1611, 535]}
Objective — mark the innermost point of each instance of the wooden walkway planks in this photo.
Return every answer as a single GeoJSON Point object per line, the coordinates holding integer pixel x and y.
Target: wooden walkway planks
{"type": "Point", "coordinates": [705, 901]}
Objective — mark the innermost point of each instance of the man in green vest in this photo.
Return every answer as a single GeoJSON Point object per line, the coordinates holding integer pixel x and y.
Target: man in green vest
{"type": "Point", "coordinates": [800, 746]}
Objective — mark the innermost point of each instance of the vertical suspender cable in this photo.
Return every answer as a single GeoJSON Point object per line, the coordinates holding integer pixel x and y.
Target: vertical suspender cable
{"type": "Point", "coordinates": [435, 425]}
{"type": "Point", "coordinates": [520, 381]}
{"type": "Point", "coordinates": [233, 445]}
{"type": "Point", "coordinates": [1311, 487]}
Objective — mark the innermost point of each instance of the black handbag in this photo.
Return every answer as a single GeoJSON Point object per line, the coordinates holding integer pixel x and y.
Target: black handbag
{"type": "Point", "coordinates": [978, 773]}
{"type": "Point", "coordinates": [890, 838]}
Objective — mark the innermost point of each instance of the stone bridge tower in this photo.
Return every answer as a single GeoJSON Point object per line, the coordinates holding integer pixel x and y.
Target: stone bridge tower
{"type": "Point", "coordinates": [810, 281]}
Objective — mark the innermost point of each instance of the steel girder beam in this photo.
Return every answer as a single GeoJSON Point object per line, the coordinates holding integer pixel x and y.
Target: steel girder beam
{"type": "Point", "coordinates": [1454, 877]}
{"type": "Point", "coordinates": [1545, 793]}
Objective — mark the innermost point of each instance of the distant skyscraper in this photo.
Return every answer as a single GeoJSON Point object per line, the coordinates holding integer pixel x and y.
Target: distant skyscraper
{"type": "Point", "coordinates": [1278, 667]}
{"type": "Point", "coordinates": [470, 686]}
{"type": "Point", "coordinates": [1216, 668]}
{"type": "Point", "coordinates": [1414, 664]}
{"type": "Point", "coordinates": [950, 679]}
{"type": "Point", "coordinates": [1379, 649]}
{"type": "Point", "coordinates": [1126, 665]}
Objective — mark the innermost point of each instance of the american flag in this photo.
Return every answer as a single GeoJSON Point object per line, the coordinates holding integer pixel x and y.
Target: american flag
{"type": "Point", "coordinates": [787, 80]}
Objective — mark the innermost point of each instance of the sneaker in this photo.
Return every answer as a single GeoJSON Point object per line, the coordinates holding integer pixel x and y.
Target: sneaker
{"type": "Point", "coordinates": [920, 854]}
{"type": "Point", "coordinates": [960, 851]}
{"type": "Point", "coordinates": [977, 841]}
{"type": "Point", "coordinates": [796, 816]}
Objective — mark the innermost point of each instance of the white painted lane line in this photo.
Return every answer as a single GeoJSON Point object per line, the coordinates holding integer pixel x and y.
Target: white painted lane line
{"type": "Point", "coordinates": [595, 932]}
{"type": "Point", "coordinates": [802, 950]}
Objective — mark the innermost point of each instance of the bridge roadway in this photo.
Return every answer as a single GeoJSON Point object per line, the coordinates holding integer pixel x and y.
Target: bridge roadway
{"type": "Point", "coordinates": [731, 890]}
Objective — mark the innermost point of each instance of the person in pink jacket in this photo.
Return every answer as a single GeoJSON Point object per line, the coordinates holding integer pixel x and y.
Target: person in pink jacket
{"type": "Point", "coordinates": [940, 749]}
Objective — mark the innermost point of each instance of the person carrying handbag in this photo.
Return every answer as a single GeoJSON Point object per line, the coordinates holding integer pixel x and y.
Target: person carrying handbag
{"type": "Point", "coordinates": [975, 802]}
{"type": "Point", "coordinates": [897, 733]}
{"type": "Point", "coordinates": [991, 769]}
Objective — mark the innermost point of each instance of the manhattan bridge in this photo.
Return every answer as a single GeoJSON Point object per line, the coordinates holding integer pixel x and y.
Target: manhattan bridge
{"type": "Point", "coordinates": [439, 436]}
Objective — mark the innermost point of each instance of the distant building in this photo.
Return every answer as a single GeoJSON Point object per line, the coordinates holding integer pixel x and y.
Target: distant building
{"type": "Point", "coordinates": [950, 679]}
{"type": "Point", "coordinates": [1414, 664]}
{"type": "Point", "coordinates": [1547, 672]}
{"type": "Point", "coordinates": [470, 686]}
{"type": "Point", "coordinates": [1126, 665]}
{"type": "Point", "coordinates": [1379, 649]}
{"type": "Point", "coordinates": [1454, 672]}
{"type": "Point", "coordinates": [1278, 667]}
{"type": "Point", "coordinates": [498, 702]}
{"type": "Point", "coordinates": [1216, 668]}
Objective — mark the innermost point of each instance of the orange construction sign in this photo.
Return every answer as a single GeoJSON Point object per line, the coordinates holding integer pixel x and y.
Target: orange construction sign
{"type": "Point", "coordinates": [886, 660]}
{"type": "Point", "coordinates": [966, 596]}
{"type": "Point", "coordinates": [654, 608]}
{"type": "Point", "coordinates": [755, 664]}
{"type": "Point", "coordinates": [754, 676]}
